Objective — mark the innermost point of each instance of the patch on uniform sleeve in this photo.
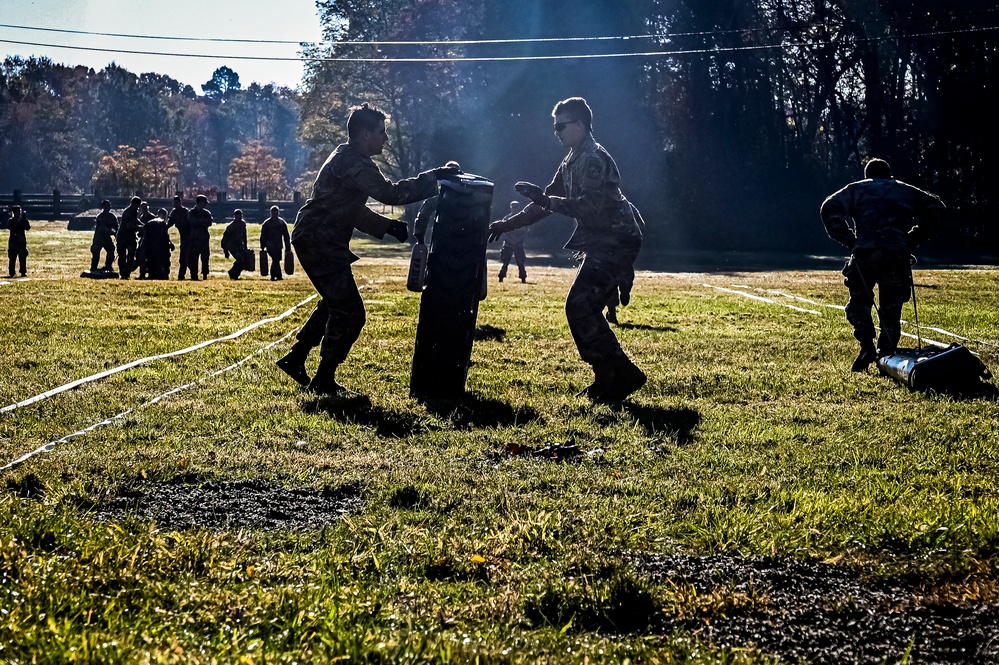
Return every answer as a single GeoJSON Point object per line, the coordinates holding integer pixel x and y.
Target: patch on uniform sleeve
{"type": "Point", "coordinates": [593, 170]}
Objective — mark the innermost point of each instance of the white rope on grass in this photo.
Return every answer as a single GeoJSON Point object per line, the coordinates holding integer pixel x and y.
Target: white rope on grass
{"type": "Point", "coordinates": [50, 446]}
{"type": "Point", "coordinates": [807, 311]}
{"type": "Point", "coordinates": [141, 361]}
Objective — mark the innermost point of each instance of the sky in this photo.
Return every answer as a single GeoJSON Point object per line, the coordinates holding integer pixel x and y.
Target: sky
{"type": "Point", "coordinates": [288, 20]}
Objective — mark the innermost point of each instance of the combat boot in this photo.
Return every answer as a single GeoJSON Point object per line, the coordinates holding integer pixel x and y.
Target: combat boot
{"type": "Point", "coordinates": [603, 380]}
{"type": "Point", "coordinates": [627, 379]}
{"type": "Point", "coordinates": [324, 382]}
{"type": "Point", "coordinates": [612, 315]}
{"type": "Point", "coordinates": [293, 364]}
{"type": "Point", "coordinates": [868, 355]}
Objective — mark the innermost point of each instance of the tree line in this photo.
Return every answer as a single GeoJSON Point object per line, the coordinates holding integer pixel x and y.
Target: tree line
{"type": "Point", "coordinates": [748, 114]}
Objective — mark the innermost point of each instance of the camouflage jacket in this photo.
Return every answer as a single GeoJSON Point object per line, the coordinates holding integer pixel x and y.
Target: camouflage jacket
{"type": "Point", "coordinates": [198, 221]}
{"type": "Point", "coordinates": [106, 225]}
{"type": "Point", "coordinates": [178, 218]}
{"type": "Point", "coordinates": [516, 237]}
{"type": "Point", "coordinates": [587, 188]}
{"type": "Point", "coordinates": [339, 201]}
{"type": "Point", "coordinates": [17, 229]}
{"type": "Point", "coordinates": [234, 237]}
{"type": "Point", "coordinates": [882, 213]}
{"type": "Point", "coordinates": [129, 223]}
{"type": "Point", "coordinates": [274, 235]}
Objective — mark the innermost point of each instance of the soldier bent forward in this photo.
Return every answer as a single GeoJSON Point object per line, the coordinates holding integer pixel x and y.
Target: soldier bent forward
{"type": "Point", "coordinates": [322, 242]}
{"type": "Point", "coordinates": [234, 244]}
{"type": "Point", "coordinates": [880, 220]}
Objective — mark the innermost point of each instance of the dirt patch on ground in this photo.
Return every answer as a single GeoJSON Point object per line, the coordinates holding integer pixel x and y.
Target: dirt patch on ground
{"type": "Point", "coordinates": [827, 614]}
{"type": "Point", "coordinates": [251, 504]}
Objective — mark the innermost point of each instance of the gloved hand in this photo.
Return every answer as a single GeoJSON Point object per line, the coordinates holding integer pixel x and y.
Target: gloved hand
{"type": "Point", "coordinates": [444, 172]}
{"type": "Point", "coordinates": [533, 192]}
{"type": "Point", "coordinates": [496, 229]}
{"type": "Point", "coordinates": [399, 231]}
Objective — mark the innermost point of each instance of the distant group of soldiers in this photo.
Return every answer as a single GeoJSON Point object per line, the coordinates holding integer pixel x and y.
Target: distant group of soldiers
{"type": "Point", "coordinates": [142, 241]}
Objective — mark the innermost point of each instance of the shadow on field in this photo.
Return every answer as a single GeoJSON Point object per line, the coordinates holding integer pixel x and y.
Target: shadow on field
{"type": "Point", "coordinates": [488, 333]}
{"type": "Point", "coordinates": [358, 410]}
{"type": "Point", "coordinates": [472, 411]}
{"type": "Point", "coordinates": [644, 326]}
{"type": "Point", "coordinates": [680, 423]}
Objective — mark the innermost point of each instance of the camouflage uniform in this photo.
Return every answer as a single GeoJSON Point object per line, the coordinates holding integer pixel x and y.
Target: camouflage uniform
{"type": "Point", "coordinates": [621, 294]}
{"type": "Point", "coordinates": [199, 219]}
{"type": "Point", "coordinates": [513, 248]}
{"type": "Point", "coordinates": [274, 240]}
{"type": "Point", "coordinates": [889, 219]}
{"type": "Point", "coordinates": [587, 188]}
{"type": "Point", "coordinates": [128, 240]}
{"type": "Point", "coordinates": [17, 244]}
{"type": "Point", "coordinates": [178, 218]}
{"type": "Point", "coordinates": [104, 232]}
{"type": "Point", "coordinates": [234, 243]}
{"type": "Point", "coordinates": [154, 249]}
{"type": "Point", "coordinates": [322, 241]}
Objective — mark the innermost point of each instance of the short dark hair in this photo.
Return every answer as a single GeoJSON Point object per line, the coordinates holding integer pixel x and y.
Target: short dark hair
{"type": "Point", "coordinates": [200, 198]}
{"type": "Point", "coordinates": [177, 197]}
{"type": "Point", "coordinates": [273, 208]}
{"type": "Point", "coordinates": [136, 199]}
{"type": "Point", "coordinates": [877, 168]}
{"type": "Point", "coordinates": [577, 109]}
{"type": "Point", "coordinates": [237, 211]}
{"type": "Point", "coordinates": [105, 202]}
{"type": "Point", "coordinates": [364, 118]}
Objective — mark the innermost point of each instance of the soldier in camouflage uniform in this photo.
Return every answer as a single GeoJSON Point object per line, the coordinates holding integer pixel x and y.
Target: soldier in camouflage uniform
{"type": "Point", "coordinates": [199, 219]}
{"type": "Point", "coordinates": [621, 294]}
{"type": "Point", "coordinates": [274, 240]}
{"type": "Point", "coordinates": [235, 244]}
{"type": "Point", "coordinates": [513, 247]}
{"type": "Point", "coordinates": [104, 232]}
{"type": "Point", "coordinates": [17, 243]}
{"type": "Point", "coordinates": [321, 238]}
{"type": "Point", "coordinates": [587, 188]}
{"type": "Point", "coordinates": [178, 218]}
{"type": "Point", "coordinates": [128, 238]}
{"type": "Point", "coordinates": [880, 220]}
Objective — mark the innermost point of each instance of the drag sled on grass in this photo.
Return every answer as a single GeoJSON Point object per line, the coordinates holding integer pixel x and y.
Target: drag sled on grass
{"type": "Point", "coordinates": [942, 369]}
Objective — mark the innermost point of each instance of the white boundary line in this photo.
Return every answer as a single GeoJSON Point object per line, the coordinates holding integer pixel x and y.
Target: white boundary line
{"type": "Point", "coordinates": [50, 446]}
{"type": "Point", "coordinates": [135, 363]}
{"type": "Point", "coordinates": [808, 311]}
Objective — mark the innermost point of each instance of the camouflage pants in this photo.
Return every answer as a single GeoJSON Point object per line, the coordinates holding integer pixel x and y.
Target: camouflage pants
{"type": "Point", "coordinates": [890, 272]}
{"type": "Point", "coordinates": [596, 278]}
{"type": "Point", "coordinates": [105, 244]}
{"type": "Point", "coordinates": [17, 252]}
{"type": "Point", "coordinates": [198, 248]}
{"type": "Point", "coordinates": [337, 320]}
{"type": "Point", "coordinates": [509, 252]}
{"type": "Point", "coordinates": [127, 246]}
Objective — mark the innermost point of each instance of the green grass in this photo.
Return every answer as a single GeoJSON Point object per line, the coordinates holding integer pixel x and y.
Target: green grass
{"type": "Point", "coordinates": [751, 438]}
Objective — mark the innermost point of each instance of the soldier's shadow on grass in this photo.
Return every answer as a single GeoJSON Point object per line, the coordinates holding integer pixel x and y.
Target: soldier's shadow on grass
{"type": "Point", "coordinates": [473, 411]}
{"type": "Point", "coordinates": [645, 326]}
{"type": "Point", "coordinates": [358, 410]}
{"type": "Point", "coordinates": [678, 423]}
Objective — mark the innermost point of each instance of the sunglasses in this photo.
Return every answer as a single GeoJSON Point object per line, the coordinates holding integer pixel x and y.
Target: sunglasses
{"type": "Point", "coordinates": [559, 126]}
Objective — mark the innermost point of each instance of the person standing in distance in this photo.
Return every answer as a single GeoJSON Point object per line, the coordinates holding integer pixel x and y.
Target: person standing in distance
{"type": "Point", "coordinates": [128, 238]}
{"type": "Point", "coordinates": [587, 188]}
{"type": "Point", "coordinates": [513, 247]}
{"type": "Point", "coordinates": [321, 238]}
{"type": "Point", "coordinates": [199, 219]}
{"type": "Point", "coordinates": [17, 243]}
{"type": "Point", "coordinates": [881, 221]}
{"type": "Point", "coordinates": [274, 240]}
{"type": "Point", "coordinates": [178, 218]}
{"type": "Point", "coordinates": [104, 231]}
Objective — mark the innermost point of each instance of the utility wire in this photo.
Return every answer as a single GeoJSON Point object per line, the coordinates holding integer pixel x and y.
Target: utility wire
{"type": "Point", "coordinates": [580, 56]}
{"type": "Point", "coordinates": [470, 42]}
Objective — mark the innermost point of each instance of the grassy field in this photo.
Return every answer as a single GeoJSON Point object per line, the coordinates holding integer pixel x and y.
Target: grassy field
{"type": "Point", "coordinates": [514, 526]}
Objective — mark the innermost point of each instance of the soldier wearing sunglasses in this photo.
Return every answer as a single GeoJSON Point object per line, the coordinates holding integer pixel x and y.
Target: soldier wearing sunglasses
{"type": "Point", "coordinates": [587, 188]}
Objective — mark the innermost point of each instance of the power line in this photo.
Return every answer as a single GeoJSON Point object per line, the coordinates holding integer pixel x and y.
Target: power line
{"type": "Point", "coordinates": [576, 56]}
{"type": "Point", "coordinates": [469, 42]}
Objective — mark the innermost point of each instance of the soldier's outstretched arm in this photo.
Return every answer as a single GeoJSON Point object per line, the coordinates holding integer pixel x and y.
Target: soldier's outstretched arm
{"type": "Point", "coordinates": [370, 180]}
